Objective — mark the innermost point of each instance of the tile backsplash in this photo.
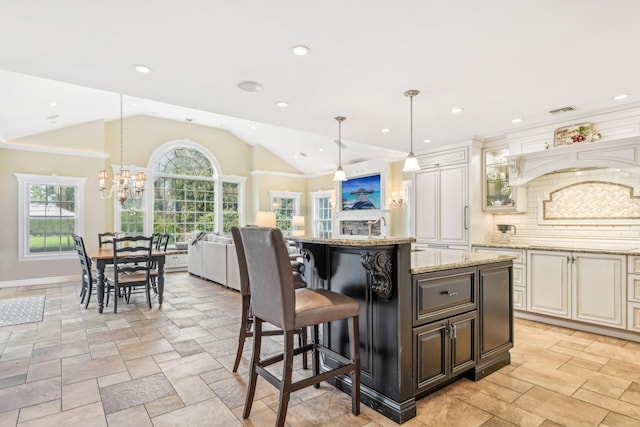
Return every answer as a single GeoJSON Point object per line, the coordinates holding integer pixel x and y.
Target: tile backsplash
{"type": "Point", "coordinates": [592, 234]}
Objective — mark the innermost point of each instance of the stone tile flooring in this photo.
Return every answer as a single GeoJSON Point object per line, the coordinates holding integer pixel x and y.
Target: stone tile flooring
{"type": "Point", "coordinates": [172, 367]}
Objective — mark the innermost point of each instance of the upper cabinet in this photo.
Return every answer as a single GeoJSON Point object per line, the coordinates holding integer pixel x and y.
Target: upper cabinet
{"type": "Point", "coordinates": [498, 195]}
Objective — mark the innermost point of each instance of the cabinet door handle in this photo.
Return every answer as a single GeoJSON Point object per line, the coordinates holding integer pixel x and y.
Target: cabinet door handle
{"type": "Point", "coordinates": [568, 259]}
{"type": "Point", "coordinates": [466, 217]}
{"type": "Point", "coordinates": [454, 332]}
{"type": "Point", "coordinates": [449, 293]}
{"type": "Point", "coordinates": [573, 260]}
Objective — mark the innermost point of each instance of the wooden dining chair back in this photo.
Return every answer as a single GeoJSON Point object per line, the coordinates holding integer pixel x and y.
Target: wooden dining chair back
{"type": "Point", "coordinates": [274, 299]}
{"type": "Point", "coordinates": [87, 275]}
{"type": "Point", "coordinates": [160, 243]}
{"type": "Point", "coordinates": [131, 268]}
{"type": "Point", "coordinates": [105, 239]}
{"type": "Point", "coordinates": [246, 319]}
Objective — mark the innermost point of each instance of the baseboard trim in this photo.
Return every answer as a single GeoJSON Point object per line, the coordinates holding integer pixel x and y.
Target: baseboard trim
{"type": "Point", "coordinates": [39, 281]}
{"type": "Point", "coordinates": [566, 323]}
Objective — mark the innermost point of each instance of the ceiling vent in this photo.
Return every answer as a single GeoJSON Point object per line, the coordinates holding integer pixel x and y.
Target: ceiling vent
{"type": "Point", "coordinates": [562, 110]}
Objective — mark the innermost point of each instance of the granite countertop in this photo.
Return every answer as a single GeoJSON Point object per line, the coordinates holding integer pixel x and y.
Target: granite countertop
{"type": "Point", "coordinates": [428, 260]}
{"type": "Point", "coordinates": [376, 241]}
{"type": "Point", "coordinates": [542, 247]}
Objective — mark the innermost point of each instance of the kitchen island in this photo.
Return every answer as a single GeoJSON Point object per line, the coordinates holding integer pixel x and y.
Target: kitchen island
{"type": "Point", "coordinates": [427, 317]}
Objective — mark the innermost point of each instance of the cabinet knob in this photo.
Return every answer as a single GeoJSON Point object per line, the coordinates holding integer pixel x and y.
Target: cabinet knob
{"type": "Point", "coordinates": [451, 294]}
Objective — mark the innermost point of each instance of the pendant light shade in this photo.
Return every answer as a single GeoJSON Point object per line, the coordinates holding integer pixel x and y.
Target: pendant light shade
{"type": "Point", "coordinates": [340, 175]}
{"type": "Point", "coordinates": [411, 163]}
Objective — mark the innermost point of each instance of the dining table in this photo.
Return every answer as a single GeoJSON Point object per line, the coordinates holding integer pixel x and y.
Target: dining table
{"type": "Point", "coordinates": [103, 256]}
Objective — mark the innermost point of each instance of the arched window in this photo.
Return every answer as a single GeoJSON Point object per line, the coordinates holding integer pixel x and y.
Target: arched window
{"type": "Point", "coordinates": [184, 193]}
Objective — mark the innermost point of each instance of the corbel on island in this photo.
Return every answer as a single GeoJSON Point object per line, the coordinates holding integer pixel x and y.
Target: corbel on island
{"type": "Point", "coordinates": [427, 317]}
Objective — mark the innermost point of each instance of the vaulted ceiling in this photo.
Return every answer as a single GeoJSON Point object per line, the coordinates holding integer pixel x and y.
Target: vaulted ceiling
{"type": "Point", "coordinates": [498, 60]}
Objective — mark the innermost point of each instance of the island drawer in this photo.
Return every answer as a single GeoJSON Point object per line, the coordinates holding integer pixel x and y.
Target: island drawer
{"type": "Point", "coordinates": [442, 294]}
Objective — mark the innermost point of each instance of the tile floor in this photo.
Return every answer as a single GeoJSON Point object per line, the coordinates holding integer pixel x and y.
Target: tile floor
{"type": "Point", "coordinates": [172, 367]}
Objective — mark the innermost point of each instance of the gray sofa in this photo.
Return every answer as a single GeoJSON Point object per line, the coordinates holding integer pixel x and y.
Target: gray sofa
{"type": "Point", "coordinates": [214, 258]}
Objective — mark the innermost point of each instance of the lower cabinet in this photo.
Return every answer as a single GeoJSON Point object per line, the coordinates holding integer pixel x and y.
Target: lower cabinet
{"type": "Point", "coordinates": [176, 261]}
{"type": "Point", "coordinates": [580, 286]}
{"type": "Point", "coordinates": [463, 322]}
{"type": "Point", "coordinates": [444, 349]}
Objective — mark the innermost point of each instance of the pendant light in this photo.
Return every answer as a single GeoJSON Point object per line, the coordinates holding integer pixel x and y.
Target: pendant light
{"type": "Point", "coordinates": [122, 187]}
{"type": "Point", "coordinates": [340, 175]}
{"type": "Point", "coordinates": [411, 162]}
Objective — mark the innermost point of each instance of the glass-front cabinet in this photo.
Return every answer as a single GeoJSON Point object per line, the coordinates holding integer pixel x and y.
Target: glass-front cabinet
{"type": "Point", "coordinates": [498, 195]}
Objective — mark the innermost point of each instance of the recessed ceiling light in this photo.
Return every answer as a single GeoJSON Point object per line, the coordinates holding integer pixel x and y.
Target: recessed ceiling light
{"type": "Point", "coordinates": [456, 110]}
{"type": "Point", "coordinates": [427, 141]}
{"type": "Point", "coordinates": [516, 120]}
{"type": "Point", "coordinates": [252, 128]}
{"type": "Point", "coordinates": [621, 96]}
{"type": "Point", "coordinates": [300, 50]}
{"type": "Point", "coordinates": [282, 104]}
{"type": "Point", "coordinates": [142, 68]}
{"type": "Point", "coordinates": [52, 104]}
{"type": "Point", "coordinates": [250, 86]}
{"type": "Point", "coordinates": [321, 149]}
{"type": "Point", "coordinates": [386, 130]}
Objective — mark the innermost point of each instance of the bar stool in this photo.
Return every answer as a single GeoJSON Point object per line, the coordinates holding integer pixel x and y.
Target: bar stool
{"type": "Point", "coordinates": [276, 301]}
{"type": "Point", "coordinates": [246, 321]}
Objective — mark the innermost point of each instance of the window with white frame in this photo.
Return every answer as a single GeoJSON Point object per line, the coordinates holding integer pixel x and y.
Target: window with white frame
{"type": "Point", "coordinates": [188, 193]}
{"type": "Point", "coordinates": [184, 195]}
{"type": "Point", "coordinates": [50, 212]}
{"type": "Point", "coordinates": [322, 213]}
{"type": "Point", "coordinates": [285, 204]}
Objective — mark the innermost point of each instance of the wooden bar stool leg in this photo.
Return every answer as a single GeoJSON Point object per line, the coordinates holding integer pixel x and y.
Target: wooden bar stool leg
{"type": "Point", "coordinates": [242, 336]}
{"type": "Point", "coordinates": [354, 349]}
{"type": "Point", "coordinates": [315, 354]}
{"type": "Point", "coordinates": [255, 359]}
{"type": "Point", "coordinates": [287, 370]}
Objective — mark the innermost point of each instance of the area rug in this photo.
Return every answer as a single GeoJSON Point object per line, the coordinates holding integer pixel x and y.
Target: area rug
{"type": "Point", "coordinates": [14, 311]}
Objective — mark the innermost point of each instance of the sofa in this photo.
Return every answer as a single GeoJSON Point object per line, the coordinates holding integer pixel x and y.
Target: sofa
{"type": "Point", "coordinates": [213, 258]}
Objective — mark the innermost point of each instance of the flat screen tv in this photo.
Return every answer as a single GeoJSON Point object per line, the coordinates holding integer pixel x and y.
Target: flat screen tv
{"type": "Point", "coordinates": [361, 193]}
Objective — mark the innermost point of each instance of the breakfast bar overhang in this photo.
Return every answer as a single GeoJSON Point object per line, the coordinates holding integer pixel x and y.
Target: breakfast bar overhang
{"type": "Point", "coordinates": [427, 317]}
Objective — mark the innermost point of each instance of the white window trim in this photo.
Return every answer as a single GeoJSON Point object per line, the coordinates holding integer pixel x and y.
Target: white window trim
{"type": "Point", "coordinates": [313, 202]}
{"type": "Point", "coordinates": [241, 181]}
{"type": "Point", "coordinates": [177, 143]}
{"type": "Point", "coordinates": [24, 180]}
{"type": "Point", "coordinates": [146, 199]}
{"type": "Point", "coordinates": [286, 195]}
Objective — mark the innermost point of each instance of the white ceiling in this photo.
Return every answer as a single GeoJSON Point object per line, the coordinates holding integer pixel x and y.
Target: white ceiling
{"type": "Point", "coordinates": [497, 59]}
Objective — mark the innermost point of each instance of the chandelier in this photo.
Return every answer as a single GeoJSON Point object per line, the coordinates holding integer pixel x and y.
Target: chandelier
{"type": "Point", "coordinates": [123, 187]}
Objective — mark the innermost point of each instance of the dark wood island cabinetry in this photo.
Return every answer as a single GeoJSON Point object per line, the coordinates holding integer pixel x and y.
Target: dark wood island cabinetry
{"type": "Point", "coordinates": [427, 317]}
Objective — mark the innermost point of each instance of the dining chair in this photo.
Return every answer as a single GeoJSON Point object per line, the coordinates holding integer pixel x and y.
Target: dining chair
{"type": "Point", "coordinates": [246, 319]}
{"type": "Point", "coordinates": [106, 238]}
{"type": "Point", "coordinates": [275, 300]}
{"type": "Point", "coordinates": [87, 274]}
{"type": "Point", "coordinates": [160, 243]}
{"type": "Point", "coordinates": [131, 268]}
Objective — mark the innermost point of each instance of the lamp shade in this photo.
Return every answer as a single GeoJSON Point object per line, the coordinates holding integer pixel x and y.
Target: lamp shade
{"type": "Point", "coordinates": [297, 221]}
{"type": "Point", "coordinates": [265, 219]}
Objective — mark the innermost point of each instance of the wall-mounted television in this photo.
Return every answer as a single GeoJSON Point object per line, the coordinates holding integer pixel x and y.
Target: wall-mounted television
{"type": "Point", "coordinates": [361, 193]}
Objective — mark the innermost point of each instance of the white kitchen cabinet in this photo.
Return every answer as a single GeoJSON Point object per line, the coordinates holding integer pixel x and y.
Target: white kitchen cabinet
{"type": "Point", "coordinates": [549, 283]}
{"type": "Point", "coordinates": [176, 261]}
{"type": "Point", "coordinates": [498, 195]}
{"type": "Point", "coordinates": [441, 196]}
{"type": "Point", "coordinates": [579, 286]}
{"type": "Point", "coordinates": [599, 289]}
{"type": "Point", "coordinates": [633, 293]}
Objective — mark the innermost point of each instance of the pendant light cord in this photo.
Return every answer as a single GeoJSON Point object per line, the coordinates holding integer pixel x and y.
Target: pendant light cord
{"type": "Point", "coordinates": [339, 142]}
{"type": "Point", "coordinates": [411, 122]}
{"type": "Point", "coordinates": [121, 137]}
